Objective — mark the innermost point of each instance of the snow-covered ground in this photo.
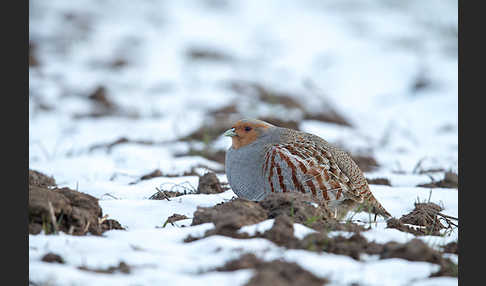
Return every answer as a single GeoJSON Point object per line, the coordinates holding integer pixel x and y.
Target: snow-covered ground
{"type": "Point", "coordinates": [366, 58]}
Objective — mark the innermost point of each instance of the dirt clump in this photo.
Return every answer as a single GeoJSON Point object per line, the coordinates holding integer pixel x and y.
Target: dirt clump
{"type": "Point", "coordinates": [331, 116]}
{"type": "Point", "coordinates": [397, 224]}
{"type": "Point", "coordinates": [100, 97]}
{"type": "Point", "coordinates": [417, 250]}
{"type": "Point", "coordinates": [173, 218]}
{"type": "Point", "coordinates": [121, 267]}
{"type": "Point", "coordinates": [379, 181]}
{"type": "Point", "coordinates": [158, 173]}
{"type": "Point", "coordinates": [451, 247]}
{"type": "Point", "coordinates": [207, 152]}
{"type": "Point", "coordinates": [264, 93]}
{"type": "Point", "coordinates": [33, 61]}
{"type": "Point", "coordinates": [63, 209]}
{"type": "Point", "coordinates": [207, 132]}
{"type": "Point", "coordinates": [225, 112]}
{"type": "Point", "coordinates": [175, 190]}
{"type": "Point", "coordinates": [238, 213]}
{"type": "Point", "coordinates": [209, 184]}
{"type": "Point", "coordinates": [154, 174]}
{"type": "Point", "coordinates": [420, 83]}
{"type": "Point", "coordinates": [282, 232]}
{"type": "Point", "coordinates": [285, 208]}
{"type": "Point", "coordinates": [365, 163]}
{"type": "Point", "coordinates": [165, 195]}
{"type": "Point", "coordinates": [424, 214]}
{"type": "Point", "coordinates": [352, 247]}
{"type": "Point", "coordinates": [207, 54]}
{"type": "Point", "coordinates": [451, 180]}
{"type": "Point", "coordinates": [40, 180]}
{"type": "Point", "coordinates": [447, 268]}
{"type": "Point", "coordinates": [118, 63]}
{"type": "Point", "coordinates": [52, 258]}
{"type": "Point", "coordinates": [288, 100]}
{"type": "Point", "coordinates": [122, 140]}
{"type": "Point", "coordinates": [104, 106]}
{"type": "Point", "coordinates": [275, 272]}
{"type": "Point", "coordinates": [413, 250]}
{"type": "Point", "coordinates": [228, 218]}
{"type": "Point", "coordinates": [109, 224]}
{"type": "Point", "coordinates": [428, 216]}
{"type": "Point", "coordinates": [300, 207]}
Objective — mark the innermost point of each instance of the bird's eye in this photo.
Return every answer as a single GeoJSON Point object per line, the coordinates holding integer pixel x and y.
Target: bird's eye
{"type": "Point", "coordinates": [247, 128]}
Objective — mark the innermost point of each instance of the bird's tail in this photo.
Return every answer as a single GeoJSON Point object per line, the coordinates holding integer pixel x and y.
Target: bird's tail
{"type": "Point", "coordinates": [372, 205]}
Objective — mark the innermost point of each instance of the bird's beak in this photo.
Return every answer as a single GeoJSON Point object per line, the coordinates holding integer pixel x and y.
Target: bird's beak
{"type": "Point", "coordinates": [230, 132]}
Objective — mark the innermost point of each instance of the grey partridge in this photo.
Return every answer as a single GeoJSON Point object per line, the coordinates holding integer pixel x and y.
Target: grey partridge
{"type": "Point", "coordinates": [264, 158]}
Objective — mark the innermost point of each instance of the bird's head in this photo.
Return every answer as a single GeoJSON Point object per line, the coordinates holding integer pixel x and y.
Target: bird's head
{"type": "Point", "coordinates": [246, 131]}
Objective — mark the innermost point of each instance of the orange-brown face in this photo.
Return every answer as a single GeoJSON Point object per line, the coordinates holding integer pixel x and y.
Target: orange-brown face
{"type": "Point", "coordinates": [245, 132]}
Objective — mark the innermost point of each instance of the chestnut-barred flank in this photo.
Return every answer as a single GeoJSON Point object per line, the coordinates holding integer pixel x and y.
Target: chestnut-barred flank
{"type": "Point", "coordinates": [265, 158]}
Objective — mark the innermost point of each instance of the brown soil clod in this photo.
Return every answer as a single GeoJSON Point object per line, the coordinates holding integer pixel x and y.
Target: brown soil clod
{"type": "Point", "coordinates": [286, 208]}
{"type": "Point", "coordinates": [109, 224]}
{"type": "Point", "coordinates": [300, 207]}
{"type": "Point", "coordinates": [282, 232]}
{"type": "Point", "coordinates": [397, 224]}
{"type": "Point", "coordinates": [52, 258]}
{"type": "Point", "coordinates": [207, 54]}
{"type": "Point", "coordinates": [104, 106]}
{"type": "Point", "coordinates": [424, 214]}
{"type": "Point", "coordinates": [421, 82]}
{"type": "Point", "coordinates": [379, 181]}
{"type": "Point", "coordinates": [365, 163]}
{"type": "Point", "coordinates": [165, 195]}
{"type": "Point", "coordinates": [207, 132]}
{"type": "Point", "coordinates": [237, 213]}
{"type": "Point", "coordinates": [118, 63]}
{"type": "Point", "coordinates": [100, 96]}
{"type": "Point", "coordinates": [156, 173]}
{"type": "Point", "coordinates": [413, 250]}
{"type": "Point", "coordinates": [427, 217]}
{"type": "Point", "coordinates": [63, 209]}
{"type": "Point", "coordinates": [265, 94]}
{"type": "Point", "coordinates": [40, 180]}
{"type": "Point", "coordinates": [120, 141]}
{"type": "Point", "coordinates": [173, 218]}
{"type": "Point", "coordinates": [208, 153]}
{"type": "Point", "coordinates": [172, 191]}
{"type": "Point", "coordinates": [121, 267]}
{"type": "Point", "coordinates": [352, 247]}
{"type": "Point", "coordinates": [80, 212]}
{"type": "Point", "coordinates": [209, 184]}
{"type": "Point", "coordinates": [451, 247]}
{"type": "Point", "coordinates": [447, 268]}
{"type": "Point", "coordinates": [451, 180]}
{"type": "Point", "coordinates": [276, 272]}
{"type": "Point", "coordinates": [225, 112]}
{"type": "Point", "coordinates": [331, 116]}
{"type": "Point", "coordinates": [33, 61]}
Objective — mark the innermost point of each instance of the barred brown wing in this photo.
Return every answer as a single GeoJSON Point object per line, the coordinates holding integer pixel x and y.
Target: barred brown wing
{"type": "Point", "coordinates": [305, 168]}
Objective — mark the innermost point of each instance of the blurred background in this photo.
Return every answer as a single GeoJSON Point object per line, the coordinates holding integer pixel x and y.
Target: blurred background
{"type": "Point", "coordinates": [128, 100]}
{"type": "Point", "coordinates": [126, 87]}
